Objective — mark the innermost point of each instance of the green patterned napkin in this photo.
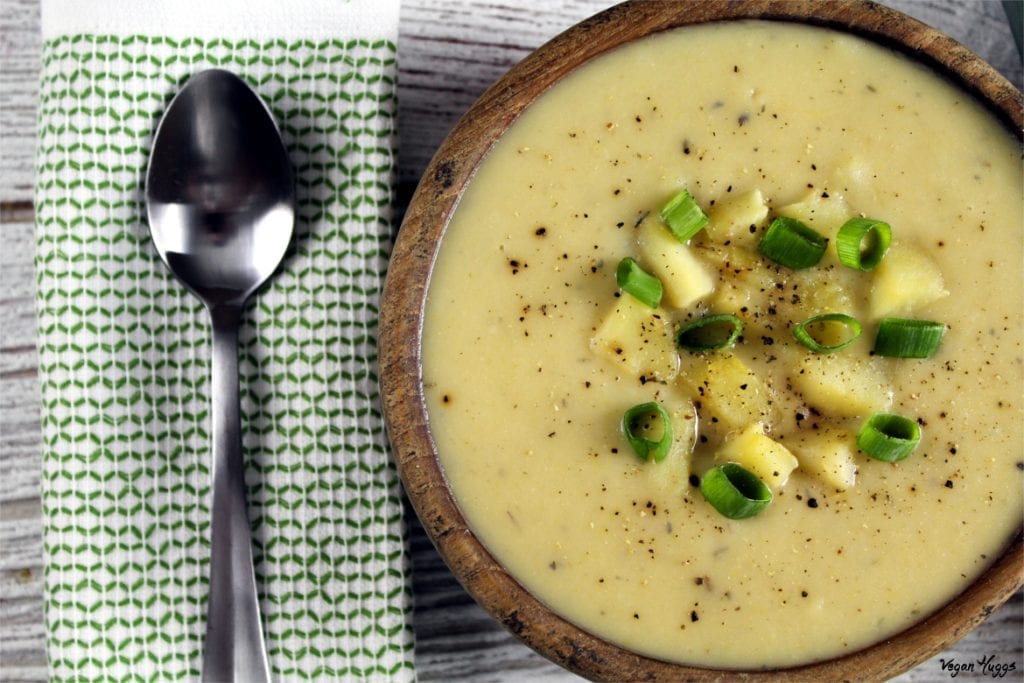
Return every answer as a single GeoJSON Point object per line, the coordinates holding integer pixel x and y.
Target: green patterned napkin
{"type": "Point", "coordinates": [124, 349]}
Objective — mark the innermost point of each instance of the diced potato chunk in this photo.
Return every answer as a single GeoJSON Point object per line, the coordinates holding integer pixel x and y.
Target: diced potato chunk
{"type": "Point", "coordinates": [823, 210]}
{"type": "Point", "coordinates": [737, 263]}
{"type": "Point", "coordinates": [828, 455]}
{"type": "Point", "coordinates": [639, 340]}
{"type": "Point", "coordinates": [746, 282]}
{"type": "Point", "coordinates": [671, 474]}
{"type": "Point", "coordinates": [824, 290]}
{"type": "Point", "coordinates": [737, 218]}
{"type": "Point", "coordinates": [841, 384]}
{"type": "Point", "coordinates": [731, 296]}
{"type": "Point", "coordinates": [906, 278]}
{"type": "Point", "coordinates": [684, 427]}
{"type": "Point", "coordinates": [752, 449]}
{"type": "Point", "coordinates": [743, 302]}
{"type": "Point", "coordinates": [683, 277]}
{"type": "Point", "coordinates": [728, 393]}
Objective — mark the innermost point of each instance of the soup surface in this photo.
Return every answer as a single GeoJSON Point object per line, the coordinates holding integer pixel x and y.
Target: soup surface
{"type": "Point", "coordinates": [525, 406]}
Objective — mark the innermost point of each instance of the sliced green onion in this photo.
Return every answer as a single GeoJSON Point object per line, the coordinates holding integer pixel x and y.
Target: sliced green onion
{"type": "Point", "coordinates": [888, 437]}
{"type": "Point", "coordinates": [820, 325]}
{"type": "Point", "coordinates": [862, 242]}
{"type": "Point", "coordinates": [792, 244]}
{"type": "Point", "coordinates": [644, 419]}
{"type": "Point", "coordinates": [710, 332]}
{"type": "Point", "coordinates": [642, 286]}
{"type": "Point", "coordinates": [735, 492]}
{"type": "Point", "coordinates": [901, 338]}
{"type": "Point", "coordinates": [683, 217]}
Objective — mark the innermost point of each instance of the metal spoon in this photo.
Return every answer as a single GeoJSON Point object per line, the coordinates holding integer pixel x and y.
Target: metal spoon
{"type": "Point", "coordinates": [221, 202]}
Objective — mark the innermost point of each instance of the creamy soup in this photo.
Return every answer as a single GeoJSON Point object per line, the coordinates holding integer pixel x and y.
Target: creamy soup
{"type": "Point", "coordinates": [526, 393]}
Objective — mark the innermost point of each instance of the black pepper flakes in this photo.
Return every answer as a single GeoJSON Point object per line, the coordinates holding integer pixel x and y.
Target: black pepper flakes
{"type": "Point", "coordinates": [812, 502]}
{"type": "Point", "coordinates": [694, 616]}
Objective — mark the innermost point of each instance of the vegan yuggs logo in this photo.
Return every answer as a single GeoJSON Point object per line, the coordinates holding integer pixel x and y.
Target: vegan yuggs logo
{"type": "Point", "coordinates": [985, 666]}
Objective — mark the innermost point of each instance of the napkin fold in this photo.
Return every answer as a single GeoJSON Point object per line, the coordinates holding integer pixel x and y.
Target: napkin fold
{"type": "Point", "coordinates": [124, 349]}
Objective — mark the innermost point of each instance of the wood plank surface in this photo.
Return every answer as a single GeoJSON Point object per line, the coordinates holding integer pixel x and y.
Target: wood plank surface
{"type": "Point", "coordinates": [449, 52]}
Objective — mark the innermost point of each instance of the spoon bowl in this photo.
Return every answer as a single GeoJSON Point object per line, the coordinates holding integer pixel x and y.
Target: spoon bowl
{"type": "Point", "coordinates": [219, 191]}
{"type": "Point", "coordinates": [221, 203]}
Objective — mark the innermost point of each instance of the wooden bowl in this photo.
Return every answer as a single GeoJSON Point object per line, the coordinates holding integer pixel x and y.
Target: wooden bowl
{"type": "Point", "coordinates": [402, 311]}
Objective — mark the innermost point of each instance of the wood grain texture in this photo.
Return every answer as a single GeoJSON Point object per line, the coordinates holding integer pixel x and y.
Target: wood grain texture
{"type": "Point", "coordinates": [450, 51]}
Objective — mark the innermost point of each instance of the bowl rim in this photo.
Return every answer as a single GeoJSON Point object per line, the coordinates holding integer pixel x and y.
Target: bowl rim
{"type": "Point", "coordinates": [401, 325]}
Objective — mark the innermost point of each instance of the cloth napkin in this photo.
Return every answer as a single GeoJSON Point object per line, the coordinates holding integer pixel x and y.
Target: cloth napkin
{"type": "Point", "coordinates": [124, 349]}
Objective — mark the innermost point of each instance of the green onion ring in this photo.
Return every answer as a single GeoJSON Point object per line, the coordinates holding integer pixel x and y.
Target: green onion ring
{"type": "Point", "coordinates": [903, 338]}
{"type": "Point", "coordinates": [850, 247]}
{"type": "Point", "coordinates": [639, 284]}
{"type": "Point", "coordinates": [734, 491]}
{"type": "Point", "coordinates": [804, 336]}
{"type": "Point", "coordinates": [792, 244]}
{"type": "Point", "coordinates": [888, 437]}
{"type": "Point", "coordinates": [647, 449]}
{"type": "Point", "coordinates": [690, 338]}
{"type": "Point", "coordinates": [683, 217]}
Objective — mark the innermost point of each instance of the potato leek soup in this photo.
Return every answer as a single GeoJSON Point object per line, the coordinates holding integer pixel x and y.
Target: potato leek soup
{"type": "Point", "coordinates": [723, 348]}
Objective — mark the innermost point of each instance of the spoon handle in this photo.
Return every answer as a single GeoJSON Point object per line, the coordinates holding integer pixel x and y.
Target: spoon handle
{"type": "Point", "coordinates": [234, 648]}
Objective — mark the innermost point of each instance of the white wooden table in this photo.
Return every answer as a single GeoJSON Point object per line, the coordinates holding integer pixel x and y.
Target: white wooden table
{"type": "Point", "coordinates": [449, 52]}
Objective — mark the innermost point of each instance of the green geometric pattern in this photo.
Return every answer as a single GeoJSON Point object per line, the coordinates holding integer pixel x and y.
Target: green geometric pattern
{"type": "Point", "coordinates": [124, 364]}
